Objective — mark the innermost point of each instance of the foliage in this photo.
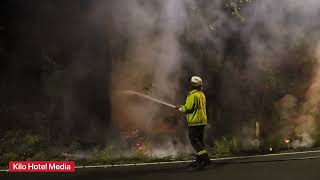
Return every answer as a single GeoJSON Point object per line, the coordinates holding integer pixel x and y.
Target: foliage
{"type": "Point", "coordinates": [225, 147]}
{"type": "Point", "coordinates": [234, 7]}
{"type": "Point", "coordinates": [30, 140]}
{"type": "Point", "coordinates": [6, 157]}
{"type": "Point", "coordinates": [103, 155]}
{"type": "Point", "coordinates": [75, 145]}
{"type": "Point", "coordinates": [40, 156]}
{"type": "Point", "coordinates": [16, 145]}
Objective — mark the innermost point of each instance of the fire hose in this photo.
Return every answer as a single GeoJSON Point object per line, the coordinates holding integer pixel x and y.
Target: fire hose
{"type": "Point", "coordinates": [129, 92]}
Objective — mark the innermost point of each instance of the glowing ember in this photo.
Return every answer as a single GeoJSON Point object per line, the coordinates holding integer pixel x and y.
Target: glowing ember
{"type": "Point", "coordinates": [139, 147]}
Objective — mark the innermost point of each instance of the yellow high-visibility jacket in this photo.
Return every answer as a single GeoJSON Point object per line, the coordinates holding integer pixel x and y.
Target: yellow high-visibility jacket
{"type": "Point", "coordinates": [195, 108]}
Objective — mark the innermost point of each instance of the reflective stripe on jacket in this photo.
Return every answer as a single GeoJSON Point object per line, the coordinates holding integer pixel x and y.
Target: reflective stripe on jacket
{"type": "Point", "coordinates": [195, 108]}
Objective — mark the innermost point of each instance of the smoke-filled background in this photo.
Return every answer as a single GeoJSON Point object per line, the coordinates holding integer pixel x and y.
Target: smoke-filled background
{"type": "Point", "coordinates": [64, 65]}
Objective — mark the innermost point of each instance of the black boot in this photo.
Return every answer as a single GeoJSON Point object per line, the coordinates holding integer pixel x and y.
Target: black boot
{"type": "Point", "coordinates": [207, 159]}
{"type": "Point", "coordinates": [203, 161]}
{"type": "Point", "coordinates": [195, 163]}
{"type": "Point", "coordinates": [199, 164]}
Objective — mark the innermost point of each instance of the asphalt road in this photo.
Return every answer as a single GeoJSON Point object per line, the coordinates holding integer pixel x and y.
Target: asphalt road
{"type": "Point", "coordinates": [301, 166]}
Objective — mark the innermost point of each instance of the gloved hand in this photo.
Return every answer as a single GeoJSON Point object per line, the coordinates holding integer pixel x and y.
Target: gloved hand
{"type": "Point", "coordinates": [178, 107]}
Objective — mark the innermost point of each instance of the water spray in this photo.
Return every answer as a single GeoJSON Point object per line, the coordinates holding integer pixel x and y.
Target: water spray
{"type": "Point", "coordinates": [129, 92]}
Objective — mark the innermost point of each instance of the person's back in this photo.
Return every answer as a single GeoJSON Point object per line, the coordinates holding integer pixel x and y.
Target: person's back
{"type": "Point", "coordinates": [195, 108]}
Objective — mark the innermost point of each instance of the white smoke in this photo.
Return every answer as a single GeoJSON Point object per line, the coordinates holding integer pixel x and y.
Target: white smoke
{"type": "Point", "coordinates": [152, 35]}
{"type": "Point", "coordinates": [305, 142]}
{"type": "Point", "coordinates": [150, 65]}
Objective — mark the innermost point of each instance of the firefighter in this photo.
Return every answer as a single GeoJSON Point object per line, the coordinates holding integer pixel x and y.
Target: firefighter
{"type": "Point", "coordinates": [195, 110]}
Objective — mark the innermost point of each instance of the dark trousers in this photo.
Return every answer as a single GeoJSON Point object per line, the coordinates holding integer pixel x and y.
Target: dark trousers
{"type": "Point", "coordinates": [196, 137]}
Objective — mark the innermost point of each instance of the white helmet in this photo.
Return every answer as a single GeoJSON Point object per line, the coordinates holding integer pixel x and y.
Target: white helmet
{"type": "Point", "coordinates": [196, 81]}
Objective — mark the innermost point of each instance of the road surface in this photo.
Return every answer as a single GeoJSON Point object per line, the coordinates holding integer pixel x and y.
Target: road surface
{"type": "Point", "coordinates": [287, 166]}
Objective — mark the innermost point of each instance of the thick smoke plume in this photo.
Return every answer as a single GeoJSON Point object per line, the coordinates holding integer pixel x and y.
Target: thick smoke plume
{"type": "Point", "coordinates": [151, 62]}
{"type": "Point", "coordinates": [156, 55]}
{"type": "Point", "coordinates": [259, 61]}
